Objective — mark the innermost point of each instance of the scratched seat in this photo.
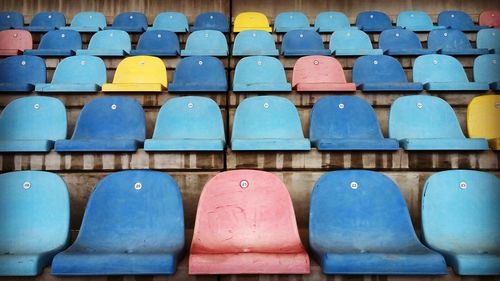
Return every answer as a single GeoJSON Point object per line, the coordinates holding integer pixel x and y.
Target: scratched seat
{"type": "Point", "coordinates": [298, 43]}
{"type": "Point", "coordinates": [87, 22]}
{"type": "Point", "coordinates": [260, 73]}
{"type": "Point", "coordinates": [13, 42]}
{"type": "Point", "coordinates": [457, 20]}
{"type": "Point", "coordinates": [320, 73]}
{"type": "Point", "coordinates": [452, 42]}
{"type": "Point", "coordinates": [373, 21]}
{"type": "Point", "coordinates": [129, 22]}
{"type": "Point", "coordinates": [486, 69]}
{"type": "Point", "coordinates": [108, 43]}
{"type": "Point", "coordinates": [159, 43]}
{"type": "Point", "coordinates": [490, 18]}
{"type": "Point", "coordinates": [287, 21]}
{"type": "Point", "coordinates": [489, 38]}
{"type": "Point", "coordinates": [483, 114]}
{"type": "Point", "coordinates": [21, 73]}
{"type": "Point", "coordinates": [170, 21]}
{"type": "Point", "coordinates": [401, 42]}
{"type": "Point", "coordinates": [11, 20]}
{"type": "Point", "coordinates": [199, 74]}
{"type": "Point", "coordinates": [206, 43]}
{"type": "Point", "coordinates": [245, 224]}
{"type": "Point", "coordinates": [331, 22]}
{"type": "Point", "coordinates": [254, 43]}
{"type": "Point", "coordinates": [416, 20]}
{"type": "Point", "coordinates": [211, 21]}
{"type": "Point", "coordinates": [251, 21]}
{"type": "Point", "coordinates": [46, 21]}
{"type": "Point", "coordinates": [352, 42]}
{"type": "Point", "coordinates": [57, 43]}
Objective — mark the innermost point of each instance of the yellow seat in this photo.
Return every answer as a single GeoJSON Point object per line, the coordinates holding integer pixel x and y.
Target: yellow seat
{"type": "Point", "coordinates": [139, 74]}
{"type": "Point", "coordinates": [251, 21]}
{"type": "Point", "coordinates": [483, 119]}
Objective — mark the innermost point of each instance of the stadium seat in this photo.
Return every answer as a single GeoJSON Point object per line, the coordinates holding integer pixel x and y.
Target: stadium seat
{"type": "Point", "coordinates": [486, 70]}
{"type": "Point", "coordinates": [32, 124]}
{"type": "Point", "coordinates": [373, 21]}
{"type": "Point", "coordinates": [108, 43]}
{"type": "Point", "coordinates": [211, 21]}
{"type": "Point", "coordinates": [452, 42]}
{"type": "Point", "coordinates": [14, 42]}
{"type": "Point", "coordinates": [483, 115]}
{"type": "Point", "coordinates": [401, 42]}
{"type": "Point", "coordinates": [352, 42]}
{"type": "Point", "coordinates": [489, 38]}
{"type": "Point", "coordinates": [133, 225]}
{"type": "Point", "coordinates": [298, 43]}
{"type": "Point", "coordinates": [129, 22]}
{"type": "Point", "coordinates": [490, 18]}
{"type": "Point", "coordinates": [443, 73]}
{"type": "Point", "coordinates": [206, 43]}
{"type": "Point", "coordinates": [260, 73]}
{"type": "Point", "coordinates": [139, 74]}
{"type": "Point", "coordinates": [381, 73]}
{"type": "Point", "coordinates": [428, 123]}
{"type": "Point", "coordinates": [245, 224]}
{"type": "Point", "coordinates": [170, 21]}
{"type": "Point", "coordinates": [267, 123]}
{"type": "Point", "coordinates": [188, 124]}
{"type": "Point", "coordinates": [288, 21]}
{"type": "Point", "coordinates": [416, 21]}
{"type": "Point", "coordinates": [35, 221]}
{"type": "Point", "coordinates": [57, 43]}
{"type": "Point", "coordinates": [10, 20]}
{"type": "Point", "coordinates": [107, 124]}
{"type": "Point", "coordinates": [46, 21]}
{"type": "Point", "coordinates": [254, 43]}
{"type": "Point", "coordinates": [320, 73]}
{"type": "Point", "coordinates": [331, 22]}
{"type": "Point", "coordinates": [457, 20]}
{"type": "Point", "coordinates": [76, 74]}
{"type": "Point", "coordinates": [87, 22]}
{"type": "Point", "coordinates": [460, 219]}
{"type": "Point", "coordinates": [359, 224]}
{"type": "Point", "coordinates": [199, 74]}
{"type": "Point", "coordinates": [251, 21]}
{"type": "Point", "coordinates": [159, 43]}
{"type": "Point", "coordinates": [21, 73]}
{"type": "Point", "coordinates": [347, 123]}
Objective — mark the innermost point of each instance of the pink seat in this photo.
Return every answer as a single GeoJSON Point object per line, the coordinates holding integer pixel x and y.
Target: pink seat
{"type": "Point", "coordinates": [490, 18]}
{"type": "Point", "coordinates": [13, 42]}
{"type": "Point", "coordinates": [245, 224]}
{"type": "Point", "coordinates": [320, 73]}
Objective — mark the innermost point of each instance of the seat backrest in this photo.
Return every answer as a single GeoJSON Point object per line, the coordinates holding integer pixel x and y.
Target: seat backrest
{"type": "Point", "coordinates": [460, 212]}
{"type": "Point", "coordinates": [23, 70]}
{"type": "Point", "coordinates": [80, 70]}
{"type": "Point", "coordinates": [413, 18]}
{"type": "Point", "coordinates": [373, 19]}
{"type": "Point", "coordinates": [35, 212]}
{"type": "Point", "coordinates": [131, 19]}
{"type": "Point", "coordinates": [200, 70]}
{"type": "Point", "coordinates": [358, 209]}
{"type": "Point", "coordinates": [245, 211]}
{"type": "Point", "coordinates": [89, 19]}
{"type": "Point", "coordinates": [290, 21]}
{"type": "Point", "coordinates": [251, 21]}
{"type": "Point", "coordinates": [343, 117]}
{"type": "Point", "coordinates": [48, 19]}
{"type": "Point", "coordinates": [141, 69]}
{"type": "Point", "coordinates": [15, 39]}
{"type": "Point", "coordinates": [211, 21]}
{"type": "Point", "coordinates": [420, 116]}
{"type": "Point", "coordinates": [377, 69]}
{"type": "Point", "coordinates": [11, 20]}
{"type": "Point", "coordinates": [331, 21]}
{"type": "Point", "coordinates": [488, 38]}
{"type": "Point", "coordinates": [351, 39]}
{"type": "Point", "coordinates": [317, 69]}
{"type": "Point", "coordinates": [438, 68]}
{"type": "Point", "coordinates": [486, 68]}
{"type": "Point", "coordinates": [267, 117]}
{"type": "Point", "coordinates": [398, 38]}
{"type": "Point", "coordinates": [135, 210]}
{"type": "Point", "coordinates": [259, 70]}
{"type": "Point", "coordinates": [110, 39]}
{"type": "Point", "coordinates": [455, 19]}
{"type": "Point", "coordinates": [301, 40]}
{"type": "Point", "coordinates": [483, 115]}
{"type": "Point", "coordinates": [33, 118]}
{"type": "Point", "coordinates": [61, 40]}
{"type": "Point", "coordinates": [490, 18]}
{"type": "Point", "coordinates": [158, 40]}
{"type": "Point", "coordinates": [171, 21]}
{"type": "Point", "coordinates": [447, 39]}
{"type": "Point", "coordinates": [206, 40]}
{"type": "Point", "coordinates": [111, 118]}
{"type": "Point", "coordinates": [255, 40]}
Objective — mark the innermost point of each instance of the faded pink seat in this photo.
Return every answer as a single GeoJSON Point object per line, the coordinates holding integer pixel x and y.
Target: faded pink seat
{"type": "Point", "coordinates": [320, 73]}
{"type": "Point", "coordinates": [490, 18]}
{"type": "Point", "coordinates": [245, 224]}
{"type": "Point", "coordinates": [13, 42]}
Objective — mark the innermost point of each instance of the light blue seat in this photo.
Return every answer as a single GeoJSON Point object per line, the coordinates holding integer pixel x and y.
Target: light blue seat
{"type": "Point", "coordinates": [331, 22]}
{"type": "Point", "coordinates": [428, 123]}
{"type": "Point", "coordinates": [359, 224]}
{"type": "Point", "coordinates": [347, 123]}
{"type": "Point", "coordinates": [260, 73]}
{"type": "Point", "coordinates": [130, 22]}
{"type": "Point", "coordinates": [211, 21]}
{"type": "Point", "coordinates": [57, 43]}
{"type": "Point", "coordinates": [489, 38]}
{"type": "Point", "coordinates": [159, 43]}
{"type": "Point", "coordinates": [34, 223]}
{"type": "Point", "coordinates": [457, 20]}
{"type": "Point", "coordinates": [401, 42]}
{"type": "Point", "coordinates": [199, 74]}
{"type": "Point", "coordinates": [460, 220]}
{"type": "Point", "coordinates": [32, 124]}
{"type": "Point", "coordinates": [87, 22]}
{"type": "Point", "coordinates": [254, 43]}
{"type": "Point", "coordinates": [206, 43]}
{"type": "Point", "coordinates": [288, 21]}
{"type": "Point", "coordinates": [303, 43]}
{"type": "Point", "coordinates": [452, 42]}
{"type": "Point", "coordinates": [486, 70]}
{"type": "Point", "coordinates": [381, 73]}
{"type": "Point", "coordinates": [443, 73]}
{"type": "Point", "coordinates": [21, 73]}
{"type": "Point", "coordinates": [188, 124]}
{"type": "Point", "coordinates": [352, 42]}
{"type": "Point", "coordinates": [10, 20]}
{"type": "Point", "coordinates": [46, 21]}
{"type": "Point", "coordinates": [107, 124]}
{"type": "Point", "coordinates": [76, 74]}
{"type": "Point", "coordinates": [133, 225]}
{"type": "Point", "coordinates": [416, 20]}
{"type": "Point", "coordinates": [170, 21]}
{"type": "Point", "coordinates": [267, 123]}
{"type": "Point", "coordinates": [108, 43]}
{"type": "Point", "coordinates": [373, 21]}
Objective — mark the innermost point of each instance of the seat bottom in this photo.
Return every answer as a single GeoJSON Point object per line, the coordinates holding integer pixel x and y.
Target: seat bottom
{"type": "Point", "coordinates": [126, 28]}
{"type": "Point", "coordinates": [257, 87]}
{"type": "Point", "coordinates": [97, 145]}
{"type": "Point", "coordinates": [213, 53]}
{"type": "Point", "coordinates": [391, 87]}
{"type": "Point", "coordinates": [80, 28]}
{"type": "Point", "coordinates": [49, 53]}
{"type": "Point", "coordinates": [444, 144]}
{"type": "Point", "coordinates": [16, 87]}
{"type": "Point", "coordinates": [357, 144]}
{"type": "Point", "coordinates": [196, 87]}
{"type": "Point", "coordinates": [70, 87]}
{"type": "Point", "coordinates": [409, 52]}
{"type": "Point", "coordinates": [24, 264]}
{"type": "Point", "coordinates": [463, 52]}
{"type": "Point", "coordinates": [307, 52]}
{"type": "Point", "coordinates": [10, 52]}
{"type": "Point", "coordinates": [184, 145]}
{"type": "Point", "coordinates": [26, 145]}
{"type": "Point", "coordinates": [102, 52]}
{"type": "Point", "coordinates": [325, 87]}
{"type": "Point", "coordinates": [133, 87]}
{"type": "Point", "coordinates": [33, 28]}
{"type": "Point", "coordinates": [156, 53]}
{"type": "Point", "coordinates": [456, 86]}
{"type": "Point", "coordinates": [243, 28]}
{"type": "Point", "coordinates": [475, 264]}
{"type": "Point", "coordinates": [250, 52]}
{"type": "Point", "coordinates": [270, 144]}
{"type": "Point", "coordinates": [357, 52]}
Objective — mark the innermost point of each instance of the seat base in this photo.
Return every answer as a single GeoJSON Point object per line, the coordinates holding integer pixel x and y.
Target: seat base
{"type": "Point", "coordinates": [357, 52]}
{"type": "Point", "coordinates": [199, 87]}
{"type": "Point", "coordinates": [49, 53]}
{"type": "Point", "coordinates": [424, 28]}
{"type": "Point", "coordinates": [324, 87]}
{"type": "Point", "coordinates": [270, 144]}
{"type": "Point", "coordinates": [102, 52]}
{"type": "Point", "coordinates": [24, 264]}
{"type": "Point", "coordinates": [184, 145]}
{"type": "Point", "coordinates": [391, 87]}
{"type": "Point", "coordinates": [133, 87]}
{"type": "Point", "coordinates": [308, 52]}
{"type": "Point", "coordinates": [176, 29]}
{"type": "Point", "coordinates": [249, 52]}
{"type": "Point", "coordinates": [456, 86]}
{"type": "Point", "coordinates": [156, 53]}
{"type": "Point", "coordinates": [444, 144]}
{"type": "Point", "coordinates": [96, 145]}
{"type": "Point", "coordinates": [243, 28]}
{"type": "Point", "coordinates": [283, 29]}
{"type": "Point", "coordinates": [213, 53]}
{"type": "Point", "coordinates": [81, 28]}
{"type": "Point", "coordinates": [16, 87]}
{"type": "Point", "coordinates": [357, 144]}
{"type": "Point", "coordinates": [257, 87]}
{"type": "Point", "coordinates": [475, 264]}
{"type": "Point", "coordinates": [463, 52]}
{"type": "Point", "coordinates": [409, 52]}
{"type": "Point", "coordinates": [26, 145]}
{"type": "Point", "coordinates": [32, 28]}
{"type": "Point", "coordinates": [126, 28]}
{"type": "Point", "coordinates": [70, 87]}
{"type": "Point", "coordinates": [10, 52]}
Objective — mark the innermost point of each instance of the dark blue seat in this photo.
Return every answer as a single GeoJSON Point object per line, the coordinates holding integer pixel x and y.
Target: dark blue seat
{"type": "Point", "coordinates": [211, 21]}
{"type": "Point", "coordinates": [10, 20]}
{"type": "Point", "coordinates": [130, 22]}
{"type": "Point", "coordinates": [159, 43]}
{"type": "Point", "coordinates": [457, 20]}
{"type": "Point", "coordinates": [57, 43]}
{"type": "Point", "coordinates": [452, 42]}
{"type": "Point", "coordinates": [199, 74]}
{"type": "Point", "coordinates": [401, 42]}
{"type": "Point", "coordinates": [373, 21]}
{"type": "Point", "coordinates": [21, 73]}
{"type": "Point", "coordinates": [303, 43]}
{"type": "Point", "coordinates": [46, 21]}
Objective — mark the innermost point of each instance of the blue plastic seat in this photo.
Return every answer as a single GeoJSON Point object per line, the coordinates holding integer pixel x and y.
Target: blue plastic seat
{"type": "Point", "coordinates": [288, 21]}
{"type": "Point", "coordinates": [347, 123]}
{"type": "Point", "coordinates": [105, 43]}
{"type": "Point", "coordinates": [359, 224]}
{"type": "Point", "coordinates": [133, 225]}
{"type": "Point", "coordinates": [199, 74]}
{"type": "Point", "coordinates": [76, 74]}
{"type": "Point", "coordinates": [331, 22]}
{"type": "Point", "coordinates": [373, 21]}
{"type": "Point", "coordinates": [352, 42]}
{"type": "Point", "coordinates": [401, 42]}
{"type": "Point", "coordinates": [46, 21]}
{"type": "Point", "coordinates": [32, 124]}
{"type": "Point", "coordinates": [107, 124]}
{"type": "Point", "coordinates": [130, 22]}
{"type": "Point", "coordinates": [489, 38]}
{"type": "Point", "coordinates": [211, 21]}
{"type": "Point", "coordinates": [57, 43]}
{"type": "Point", "coordinates": [460, 219]}
{"type": "Point", "coordinates": [303, 43]}
{"type": "Point", "coordinates": [254, 43]}
{"type": "Point", "coordinates": [170, 21]}
{"type": "Point", "coordinates": [87, 22]}
{"type": "Point", "coordinates": [486, 70]}
{"type": "Point", "coordinates": [260, 73]}
{"type": "Point", "coordinates": [381, 73]}
{"type": "Point", "coordinates": [159, 43]}
{"type": "Point", "coordinates": [443, 73]}
{"type": "Point", "coordinates": [267, 123]}
{"type": "Point", "coordinates": [452, 42]}
{"type": "Point", "coordinates": [206, 43]}
{"type": "Point", "coordinates": [428, 123]}
{"type": "Point", "coordinates": [188, 124]}
{"type": "Point", "coordinates": [35, 221]}
{"type": "Point", "coordinates": [416, 20]}
{"type": "Point", "coordinates": [457, 20]}
{"type": "Point", "coordinates": [21, 73]}
{"type": "Point", "coordinates": [10, 20]}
